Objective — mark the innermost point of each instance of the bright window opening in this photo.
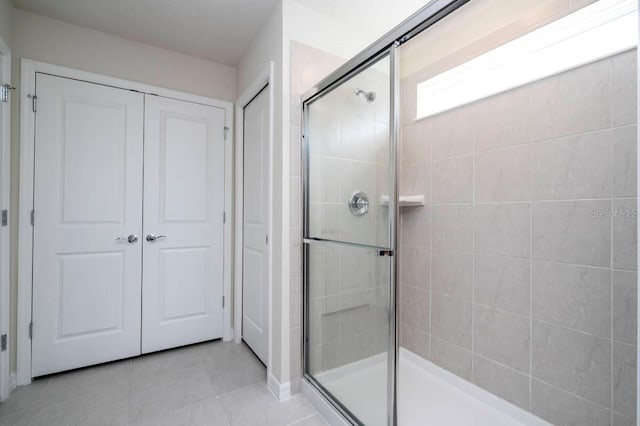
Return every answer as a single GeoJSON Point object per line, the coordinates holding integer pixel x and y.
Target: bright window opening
{"type": "Point", "coordinates": [597, 31]}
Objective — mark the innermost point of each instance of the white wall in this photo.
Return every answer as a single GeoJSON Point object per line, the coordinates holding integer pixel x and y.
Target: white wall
{"type": "Point", "coordinates": [267, 46]}
{"type": "Point", "coordinates": [56, 42]}
{"type": "Point", "coordinates": [6, 21]}
{"type": "Point", "coordinates": [49, 40]}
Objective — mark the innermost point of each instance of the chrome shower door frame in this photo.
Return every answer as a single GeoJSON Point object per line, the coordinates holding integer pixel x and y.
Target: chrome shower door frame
{"type": "Point", "coordinates": [386, 46]}
{"type": "Point", "coordinates": [391, 251]}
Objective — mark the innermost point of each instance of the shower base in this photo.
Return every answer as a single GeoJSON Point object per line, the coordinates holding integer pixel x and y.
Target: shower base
{"type": "Point", "coordinates": [427, 394]}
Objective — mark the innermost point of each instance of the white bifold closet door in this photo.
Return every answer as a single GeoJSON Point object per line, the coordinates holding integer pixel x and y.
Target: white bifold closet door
{"type": "Point", "coordinates": [105, 287]}
{"type": "Point", "coordinates": [87, 193]}
{"type": "Point", "coordinates": [183, 211]}
{"type": "Point", "coordinates": [255, 221]}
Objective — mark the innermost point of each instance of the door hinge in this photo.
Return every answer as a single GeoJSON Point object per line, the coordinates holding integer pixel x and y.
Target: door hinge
{"type": "Point", "coordinates": [31, 330]}
{"type": "Point", "coordinates": [3, 343]}
{"type": "Point", "coordinates": [4, 92]}
{"type": "Point", "coordinates": [226, 133]}
{"type": "Point", "coordinates": [223, 301]}
{"type": "Point", "coordinates": [33, 217]}
{"type": "Point", "coordinates": [387, 253]}
{"type": "Point", "coordinates": [266, 239]}
{"type": "Point", "coordinates": [224, 217]}
{"type": "Point", "coordinates": [34, 102]}
{"type": "Point", "coordinates": [5, 217]}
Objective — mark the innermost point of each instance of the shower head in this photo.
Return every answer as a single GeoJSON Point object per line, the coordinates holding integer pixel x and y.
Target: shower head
{"type": "Point", "coordinates": [369, 96]}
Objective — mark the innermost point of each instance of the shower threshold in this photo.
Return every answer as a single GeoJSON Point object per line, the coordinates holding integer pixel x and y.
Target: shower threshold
{"type": "Point", "coordinates": [427, 394]}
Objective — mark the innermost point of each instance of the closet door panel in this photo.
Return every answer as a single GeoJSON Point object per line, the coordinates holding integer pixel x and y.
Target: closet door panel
{"type": "Point", "coordinates": [183, 223]}
{"type": "Point", "coordinates": [87, 193]}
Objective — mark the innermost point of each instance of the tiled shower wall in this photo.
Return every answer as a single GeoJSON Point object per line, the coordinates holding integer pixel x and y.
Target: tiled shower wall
{"type": "Point", "coordinates": [519, 274]}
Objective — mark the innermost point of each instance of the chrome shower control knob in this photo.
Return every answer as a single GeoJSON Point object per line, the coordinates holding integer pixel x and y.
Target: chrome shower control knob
{"type": "Point", "coordinates": [358, 203]}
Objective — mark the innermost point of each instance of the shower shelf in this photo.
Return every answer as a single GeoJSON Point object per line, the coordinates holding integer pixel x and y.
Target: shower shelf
{"type": "Point", "coordinates": [405, 200]}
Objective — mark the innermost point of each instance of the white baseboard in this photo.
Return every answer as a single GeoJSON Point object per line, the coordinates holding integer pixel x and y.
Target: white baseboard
{"type": "Point", "coordinates": [282, 391]}
{"type": "Point", "coordinates": [228, 335]}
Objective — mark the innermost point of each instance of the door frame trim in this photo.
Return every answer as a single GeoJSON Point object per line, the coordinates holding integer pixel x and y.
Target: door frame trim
{"type": "Point", "coordinates": [5, 203]}
{"type": "Point", "coordinates": [28, 71]}
{"type": "Point", "coordinates": [262, 81]}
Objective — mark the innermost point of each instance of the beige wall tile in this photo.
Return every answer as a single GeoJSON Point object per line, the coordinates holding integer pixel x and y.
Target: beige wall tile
{"type": "Point", "coordinates": [575, 167]}
{"type": "Point", "coordinates": [503, 228]}
{"type": "Point", "coordinates": [625, 234]}
{"type": "Point", "coordinates": [624, 93]}
{"type": "Point", "coordinates": [452, 273]}
{"type": "Point", "coordinates": [451, 320]}
{"type": "Point", "coordinates": [577, 362]}
{"type": "Point", "coordinates": [625, 162]}
{"type": "Point", "coordinates": [572, 232]}
{"type": "Point", "coordinates": [624, 379]}
{"type": "Point", "coordinates": [452, 133]}
{"type": "Point", "coordinates": [573, 296]}
{"type": "Point", "coordinates": [415, 228]}
{"type": "Point", "coordinates": [562, 408]}
{"type": "Point", "coordinates": [625, 306]}
{"type": "Point", "coordinates": [572, 102]}
{"type": "Point", "coordinates": [452, 227]}
{"type": "Point", "coordinates": [502, 337]}
{"type": "Point", "coordinates": [503, 175]}
{"type": "Point", "coordinates": [503, 282]}
{"type": "Point", "coordinates": [503, 120]}
{"type": "Point", "coordinates": [453, 180]}
{"type": "Point", "coordinates": [502, 381]}
{"type": "Point", "coordinates": [414, 340]}
{"type": "Point", "coordinates": [451, 357]}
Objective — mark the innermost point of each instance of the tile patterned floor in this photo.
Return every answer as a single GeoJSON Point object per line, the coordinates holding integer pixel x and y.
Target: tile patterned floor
{"type": "Point", "coordinates": [214, 384]}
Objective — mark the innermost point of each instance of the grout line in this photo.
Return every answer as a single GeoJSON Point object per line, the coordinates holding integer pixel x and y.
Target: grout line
{"type": "Point", "coordinates": [508, 367]}
{"type": "Point", "coordinates": [430, 203]}
{"type": "Point", "coordinates": [611, 248]}
{"type": "Point", "coordinates": [315, 413]}
{"type": "Point", "coordinates": [538, 201]}
{"type": "Point", "coordinates": [575, 395]}
{"type": "Point", "coordinates": [263, 382]}
{"type": "Point", "coordinates": [473, 240]}
{"type": "Point", "coordinates": [535, 141]}
{"type": "Point", "coordinates": [530, 264]}
{"type": "Point", "coordinates": [533, 259]}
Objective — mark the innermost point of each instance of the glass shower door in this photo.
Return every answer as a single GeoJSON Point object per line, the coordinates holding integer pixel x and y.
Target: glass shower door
{"type": "Point", "coordinates": [348, 243]}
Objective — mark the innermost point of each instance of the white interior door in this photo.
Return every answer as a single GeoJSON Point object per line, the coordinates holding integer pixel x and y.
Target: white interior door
{"type": "Point", "coordinates": [255, 259]}
{"type": "Point", "coordinates": [87, 193]}
{"type": "Point", "coordinates": [183, 223]}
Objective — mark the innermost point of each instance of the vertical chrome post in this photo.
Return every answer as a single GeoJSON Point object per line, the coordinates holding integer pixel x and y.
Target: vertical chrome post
{"type": "Point", "coordinates": [305, 234]}
{"type": "Point", "coordinates": [394, 215]}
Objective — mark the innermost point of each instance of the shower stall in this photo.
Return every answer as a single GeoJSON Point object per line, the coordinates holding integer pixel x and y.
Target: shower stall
{"type": "Point", "coordinates": [470, 219]}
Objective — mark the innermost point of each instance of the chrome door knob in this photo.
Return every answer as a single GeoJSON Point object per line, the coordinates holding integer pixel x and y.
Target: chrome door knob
{"type": "Point", "coordinates": [151, 238]}
{"type": "Point", "coordinates": [131, 239]}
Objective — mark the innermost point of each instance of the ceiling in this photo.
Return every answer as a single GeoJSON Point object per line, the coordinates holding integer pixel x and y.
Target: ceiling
{"type": "Point", "coordinates": [218, 30]}
{"type": "Point", "coordinates": [375, 17]}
